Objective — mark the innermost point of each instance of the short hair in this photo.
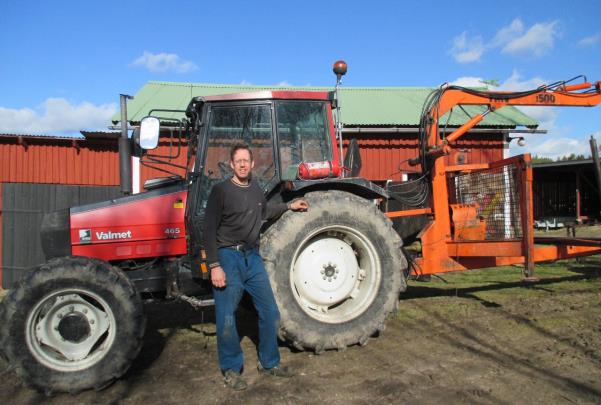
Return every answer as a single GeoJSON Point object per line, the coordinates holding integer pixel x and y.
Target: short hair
{"type": "Point", "coordinates": [240, 146]}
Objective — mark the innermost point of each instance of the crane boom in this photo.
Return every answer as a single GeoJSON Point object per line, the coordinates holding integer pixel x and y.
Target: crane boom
{"type": "Point", "coordinates": [444, 243]}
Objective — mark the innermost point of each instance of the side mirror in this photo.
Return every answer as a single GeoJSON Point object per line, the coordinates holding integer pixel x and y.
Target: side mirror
{"type": "Point", "coordinates": [149, 132]}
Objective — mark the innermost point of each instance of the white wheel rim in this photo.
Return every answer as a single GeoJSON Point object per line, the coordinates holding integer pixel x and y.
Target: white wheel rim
{"type": "Point", "coordinates": [70, 329]}
{"type": "Point", "coordinates": [335, 274]}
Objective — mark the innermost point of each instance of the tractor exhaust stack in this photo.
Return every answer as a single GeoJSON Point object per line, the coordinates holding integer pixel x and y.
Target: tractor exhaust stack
{"type": "Point", "coordinates": [124, 149]}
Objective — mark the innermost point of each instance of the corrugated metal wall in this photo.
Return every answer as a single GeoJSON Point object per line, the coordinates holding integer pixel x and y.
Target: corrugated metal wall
{"type": "Point", "coordinates": [385, 156]}
{"type": "Point", "coordinates": [55, 161]}
{"type": "Point", "coordinates": [58, 161]}
{"type": "Point", "coordinates": [165, 148]}
{"type": "Point", "coordinates": [23, 207]}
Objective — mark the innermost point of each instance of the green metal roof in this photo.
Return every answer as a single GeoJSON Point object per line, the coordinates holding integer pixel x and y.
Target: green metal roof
{"type": "Point", "coordinates": [361, 106]}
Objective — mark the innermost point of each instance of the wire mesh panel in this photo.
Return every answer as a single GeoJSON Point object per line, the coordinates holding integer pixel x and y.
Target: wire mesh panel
{"type": "Point", "coordinates": [496, 193]}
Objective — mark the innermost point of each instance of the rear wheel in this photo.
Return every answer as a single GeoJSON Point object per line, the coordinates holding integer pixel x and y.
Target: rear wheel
{"type": "Point", "coordinates": [82, 323]}
{"type": "Point", "coordinates": [336, 271]}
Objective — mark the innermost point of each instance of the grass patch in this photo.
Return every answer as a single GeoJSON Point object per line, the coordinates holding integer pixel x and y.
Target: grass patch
{"type": "Point", "coordinates": [461, 294]}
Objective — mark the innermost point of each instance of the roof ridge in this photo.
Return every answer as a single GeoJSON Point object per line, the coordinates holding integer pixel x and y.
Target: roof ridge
{"type": "Point", "coordinates": [275, 86]}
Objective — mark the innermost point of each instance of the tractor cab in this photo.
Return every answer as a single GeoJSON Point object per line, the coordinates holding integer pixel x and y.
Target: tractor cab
{"type": "Point", "coordinates": [290, 133]}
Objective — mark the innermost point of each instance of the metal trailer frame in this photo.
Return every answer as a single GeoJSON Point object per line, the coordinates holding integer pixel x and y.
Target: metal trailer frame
{"type": "Point", "coordinates": [453, 239]}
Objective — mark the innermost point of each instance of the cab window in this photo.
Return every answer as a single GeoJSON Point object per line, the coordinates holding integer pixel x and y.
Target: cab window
{"type": "Point", "coordinates": [303, 133]}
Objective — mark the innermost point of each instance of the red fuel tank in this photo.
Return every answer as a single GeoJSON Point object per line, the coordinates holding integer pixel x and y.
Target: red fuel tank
{"type": "Point", "coordinates": [318, 170]}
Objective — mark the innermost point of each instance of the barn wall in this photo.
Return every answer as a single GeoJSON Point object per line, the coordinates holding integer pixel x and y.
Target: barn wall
{"type": "Point", "coordinates": [58, 162]}
{"type": "Point", "coordinates": [386, 156]}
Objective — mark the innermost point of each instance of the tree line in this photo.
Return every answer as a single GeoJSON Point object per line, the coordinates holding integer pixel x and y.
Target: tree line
{"type": "Point", "coordinates": [571, 156]}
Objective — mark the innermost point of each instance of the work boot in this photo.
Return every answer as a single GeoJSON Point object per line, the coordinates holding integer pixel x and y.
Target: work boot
{"type": "Point", "coordinates": [233, 380]}
{"type": "Point", "coordinates": [277, 371]}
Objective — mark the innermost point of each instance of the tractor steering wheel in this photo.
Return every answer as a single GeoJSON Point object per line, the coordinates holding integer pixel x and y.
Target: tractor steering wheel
{"type": "Point", "coordinates": [224, 169]}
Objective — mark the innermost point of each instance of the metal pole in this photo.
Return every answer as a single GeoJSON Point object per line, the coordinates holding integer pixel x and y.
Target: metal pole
{"type": "Point", "coordinates": [339, 69]}
{"type": "Point", "coordinates": [338, 119]}
{"type": "Point", "coordinates": [597, 166]}
{"type": "Point", "coordinates": [124, 149]}
{"type": "Point", "coordinates": [578, 198]}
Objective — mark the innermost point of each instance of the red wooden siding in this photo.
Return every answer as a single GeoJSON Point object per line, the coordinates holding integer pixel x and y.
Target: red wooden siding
{"type": "Point", "coordinates": [165, 149]}
{"type": "Point", "coordinates": [386, 156]}
{"type": "Point", "coordinates": [58, 161]}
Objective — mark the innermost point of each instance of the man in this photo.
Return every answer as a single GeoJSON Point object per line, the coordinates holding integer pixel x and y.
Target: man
{"type": "Point", "coordinates": [235, 211]}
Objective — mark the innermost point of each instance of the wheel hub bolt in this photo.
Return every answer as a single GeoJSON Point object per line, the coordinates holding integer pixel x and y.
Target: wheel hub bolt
{"type": "Point", "coordinates": [85, 311]}
{"type": "Point", "coordinates": [91, 322]}
{"type": "Point", "coordinates": [71, 308]}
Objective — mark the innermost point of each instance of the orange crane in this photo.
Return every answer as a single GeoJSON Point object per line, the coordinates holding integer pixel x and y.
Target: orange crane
{"type": "Point", "coordinates": [461, 234]}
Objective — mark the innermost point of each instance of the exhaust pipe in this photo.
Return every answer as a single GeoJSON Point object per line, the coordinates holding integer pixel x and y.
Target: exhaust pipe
{"type": "Point", "coordinates": [124, 149]}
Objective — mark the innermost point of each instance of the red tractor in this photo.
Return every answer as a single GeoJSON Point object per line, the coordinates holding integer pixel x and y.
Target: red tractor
{"type": "Point", "coordinates": [77, 321]}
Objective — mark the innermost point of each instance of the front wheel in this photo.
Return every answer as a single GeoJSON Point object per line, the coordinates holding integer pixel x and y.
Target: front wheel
{"type": "Point", "coordinates": [74, 323]}
{"type": "Point", "coordinates": [336, 270]}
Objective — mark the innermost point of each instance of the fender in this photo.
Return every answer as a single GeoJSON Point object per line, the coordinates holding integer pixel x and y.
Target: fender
{"type": "Point", "coordinates": [355, 185]}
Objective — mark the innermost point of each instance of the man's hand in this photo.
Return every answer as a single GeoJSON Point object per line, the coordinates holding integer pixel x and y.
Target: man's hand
{"type": "Point", "coordinates": [218, 277]}
{"type": "Point", "coordinates": [299, 205]}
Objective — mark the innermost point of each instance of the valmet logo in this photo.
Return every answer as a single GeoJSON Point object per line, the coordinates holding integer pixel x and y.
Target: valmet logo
{"type": "Point", "coordinates": [85, 235]}
{"type": "Point", "coordinates": [113, 235]}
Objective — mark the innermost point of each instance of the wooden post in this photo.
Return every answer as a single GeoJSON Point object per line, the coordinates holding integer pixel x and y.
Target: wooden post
{"type": "Point", "coordinates": [527, 218]}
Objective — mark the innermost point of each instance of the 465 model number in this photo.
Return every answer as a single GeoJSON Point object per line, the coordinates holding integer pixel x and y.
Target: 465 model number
{"type": "Point", "coordinates": [172, 231]}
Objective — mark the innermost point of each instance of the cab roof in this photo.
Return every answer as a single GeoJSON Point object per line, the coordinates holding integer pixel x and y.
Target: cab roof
{"type": "Point", "coordinates": [267, 95]}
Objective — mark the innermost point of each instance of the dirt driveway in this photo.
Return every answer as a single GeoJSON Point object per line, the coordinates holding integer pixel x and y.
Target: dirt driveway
{"type": "Point", "coordinates": [481, 337]}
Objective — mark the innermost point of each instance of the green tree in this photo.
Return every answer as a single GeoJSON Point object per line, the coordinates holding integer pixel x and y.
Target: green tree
{"type": "Point", "coordinates": [541, 159]}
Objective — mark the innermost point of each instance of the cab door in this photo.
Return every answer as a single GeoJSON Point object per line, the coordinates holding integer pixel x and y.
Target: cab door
{"type": "Point", "coordinates": [229, 124]}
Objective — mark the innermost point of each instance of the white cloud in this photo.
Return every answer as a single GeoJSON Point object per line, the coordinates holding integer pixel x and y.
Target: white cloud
{"type": "Point", "coordinates": [164, 62]}
{"type": "Point", "coordinates": [555, 143]}
{"type": "Point", "coordinates": [513, 39]}
{"type": "Point", "coordinates": [590, 40]}
{"type": "Point", "coordinates": [516, 83]}
{"type": "Point", "coordinates": [56, 115]}
{"type": "Point", "coordinates": [537, 41]}
{"type": "Point", "coordinates": [246, 83]}
{"type": "Point", "coordinates": [469, 81]}
{"type": "Point", "coordinates": [465, 49]}
{"type": "Point", "coordinates": [283, 84]}
{"type": "Point", "coordinates": [550, 146]}
{"type": "Point", "coordinates": [508, 34]}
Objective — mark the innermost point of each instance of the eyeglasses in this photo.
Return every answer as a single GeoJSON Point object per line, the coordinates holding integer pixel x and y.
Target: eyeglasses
{"type": "Point", "coordinates": [241, 162]}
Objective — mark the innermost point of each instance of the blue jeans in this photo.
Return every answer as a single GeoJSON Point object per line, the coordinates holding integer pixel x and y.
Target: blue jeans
{"type": "Point", "coordinates": [245, 271]}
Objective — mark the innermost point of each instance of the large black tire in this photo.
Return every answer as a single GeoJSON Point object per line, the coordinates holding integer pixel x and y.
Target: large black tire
{"type": "Point", "coordinates": [315, 261]}
{"type": "Point", "coordinates": [72, 324]}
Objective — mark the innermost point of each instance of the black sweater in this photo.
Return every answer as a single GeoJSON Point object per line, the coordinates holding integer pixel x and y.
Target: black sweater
{"type": "Point", "coordinates": [234, 216]}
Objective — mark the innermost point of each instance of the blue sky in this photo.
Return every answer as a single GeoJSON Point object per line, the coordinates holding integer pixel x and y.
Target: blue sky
{"type": "Point", "coordinates": [64, 63]}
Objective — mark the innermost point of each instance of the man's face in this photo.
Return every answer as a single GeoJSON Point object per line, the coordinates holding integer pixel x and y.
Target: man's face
{"type": "Point", "coordinates": [242, 164]}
